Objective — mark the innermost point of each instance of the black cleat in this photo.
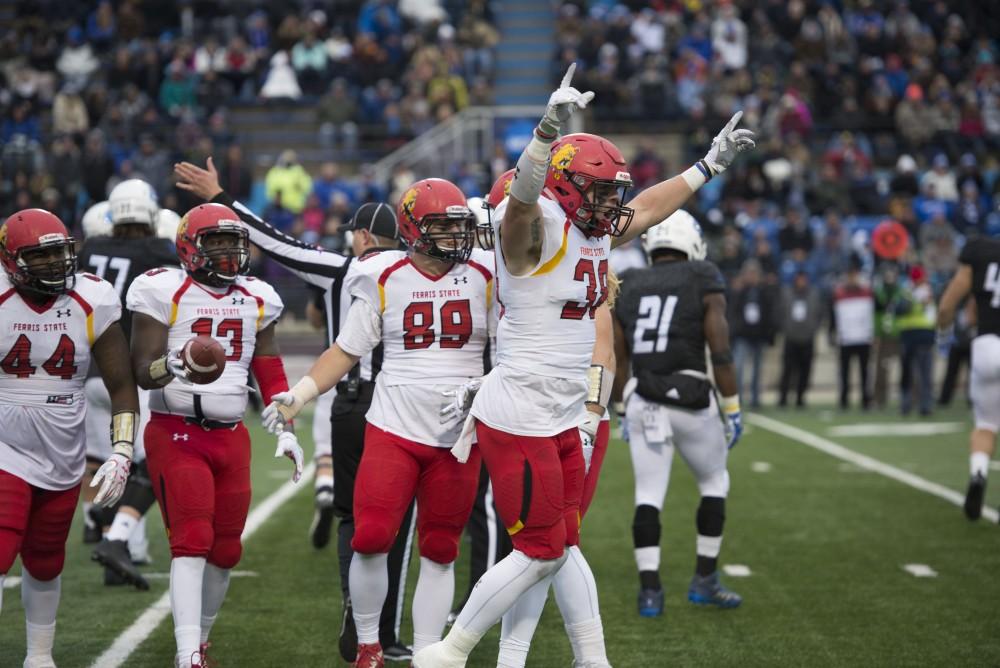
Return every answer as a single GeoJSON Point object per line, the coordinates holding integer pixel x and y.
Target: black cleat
{"type": "Point", "coordinates": [319, 532]}
{"type": "Point", "coordinates": [974, 497]}
{"type": "Point", "coordinates": [113, 555]}
{"type": "Point", "coordinates": [92, 534]}
{"type": "Point", "coordinates": [397, 652]}
{"type": "Point", "coordinates": [348, 634]}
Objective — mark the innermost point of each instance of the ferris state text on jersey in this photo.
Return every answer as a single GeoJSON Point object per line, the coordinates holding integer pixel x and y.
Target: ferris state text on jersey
{"type": "Point", "coordinates": [231, 315]}
{"type": "Point", "coordinates": [45, 352]}
{"type": "Point", "coordinates": [435, 330]}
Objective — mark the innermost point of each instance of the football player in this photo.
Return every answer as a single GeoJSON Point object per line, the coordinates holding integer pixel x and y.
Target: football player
{"type": "Point", "coordinates": [979, 274]}
{"type": "Point", "coordinates": [665, 315]}
{"type": "Point", "coordinates": [132, 249]}
{"type": "Point", "coordinates": [552, 277]}
{"type": "Point", "coordinates": [53, 323]}
{"type": "Point", "coordinates": [431, 308]}
{"type": "Point", "coordinates": [197, 449]}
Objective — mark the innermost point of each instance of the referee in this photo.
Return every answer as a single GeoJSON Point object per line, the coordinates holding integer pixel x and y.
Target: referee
{"type": "Point", "coordinates": [374, 229]}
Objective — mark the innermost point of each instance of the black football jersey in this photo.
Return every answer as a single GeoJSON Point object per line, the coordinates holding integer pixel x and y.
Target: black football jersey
{"type": "Point", "coordinates": [120, 261]}
{"type": "Point", "coordinates": [662, 313]}
{"type": "Point", "coordinates": [983, 255]}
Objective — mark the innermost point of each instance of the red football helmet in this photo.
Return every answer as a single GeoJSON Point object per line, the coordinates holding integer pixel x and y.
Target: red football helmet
{"type": "Point", "coordinates": [201, 248]}
{"type": "Point", "coordinates": [37, 252]}
{"type": "Point", "coordinates": [432, 211]}
{"type": "Point", "coordinates": [589, 178]}
{"type": "Point", "coordinates": [500, 189]}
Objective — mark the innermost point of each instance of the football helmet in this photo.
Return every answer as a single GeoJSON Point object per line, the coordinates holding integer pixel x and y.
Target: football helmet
{"type": "Point", "coordinates": [589, 178]}
{"type": "Point", "coordinates": [201, 255]}
{"type": "Point", "coordinates": [37, 252]}
{"type": "Point", "coordinates": [484, 229]}
{"type": "Point", "coordinates": [433, 212]}
{"type": "Point", "coordinates": [500, 189]}
{"type": "Point", "coordinates": [97, 220]}
{"type": "Point", "coordinates": [167, 222]}
{"type": "Point", "coordinates": [133, 202]}
{"type": "Point", "coordinates": [679, 232]}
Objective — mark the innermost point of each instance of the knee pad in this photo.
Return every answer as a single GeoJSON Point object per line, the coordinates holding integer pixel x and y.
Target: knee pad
{"type": "Point", "coordinates": [372, 537]}
{"type": "Point", "coordinates": [439, 546]}
{"type": "Point", "coordinates": [544, 543]}
{"type": "Point", "coordinates": [711, 516]}
{"type": "Point", "coordinates": [716, 484]}
{"type": "Point", "coordinates": [43, 565]}
{"type": "Point", "coordinates": [646, 527]}
{"type": "Point", "coordinates": [192, 538]}
{"type": "Point", "coordinates": [226, 552]}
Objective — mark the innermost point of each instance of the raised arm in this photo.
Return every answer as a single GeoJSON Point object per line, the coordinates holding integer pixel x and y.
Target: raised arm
{"type": "Point", "coordinates": [521, 233]}
{"type": "Point", "coordinates": [314, 265]}
{"type": "Point", "coordinates": [654, 204]}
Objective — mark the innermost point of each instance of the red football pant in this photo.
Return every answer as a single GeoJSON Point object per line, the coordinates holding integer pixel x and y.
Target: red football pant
{"type": "Point", "coordinates": [601, 439]}
{"type": "Point", "coordinates": [537, 486]}
{"type": "Point", "coordinates": [34, 523]}
{"type": "Point", "coordinates": [392, 471]}
{"type": "Point", "coordinates": [202, 480]}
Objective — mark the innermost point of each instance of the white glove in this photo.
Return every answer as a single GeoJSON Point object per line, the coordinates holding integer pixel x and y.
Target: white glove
{"type": "Point", "coordinates": [175, 365]}
{"type": "Point", "coordinates": [274, 419]}
{"type": "Point", "coordinates": [288, 445]}
{"type": "Point", "coordinates": [727, 145]}
{"type": "Point", "coordinates": [112, 477]}
{"type": "Point", "coordinates": [564, 101]}
{"type": "Point", "coordinates": [461, 400]}
{"type": "Point", "coordinates": [588, 434]}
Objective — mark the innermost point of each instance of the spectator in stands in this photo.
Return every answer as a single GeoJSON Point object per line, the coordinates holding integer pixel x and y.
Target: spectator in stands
{"type": "Point", "coordinates": [913, 121]}
{"type": "Point", "coordinates": [101, 25]}
{"type": "Point", "coordinates": [330, 183]}
{"type": "Point", "coordinates": [290, 179]}
{"type": "Point", "coordinates": [904, 180]}
{"type": "Point", "coordinates": [888, 293]}
{"type": "Point", "coordinates": [310, 62]}
{"type": "Point", "coordinates": [64, 168]}
{"type": "Point", "coordinates": [97, 166]}
{"type": "Point", "coordinates": [916, 314]}
{"type": "Point", "coordinates": [23, 122]}
{"type": "Point", "coordinates": [69, 113]}
{"type": "Point", "coordinates": [277, 214]}
{"type": "Point", "coordinates": [942, 179]}
{"type": "Point", "coordinates": [854, 324]}
{"type": "Point", "coordinates": [729, 37]}
{"type": "Point", "coordinates": [801, 317]}
{"type": "Point", "coordinates": [281, 82]}
{"type": "Point", "coordinates": [939, 247]}
{"type": "Point", "coordinates": [153, 163]}
{"type": "Point", "coordinates": [795, 233]}
{"type": "Point", "coordinates": [337, 114]}
{"type": "Point", "coordinates": [77, 60]}
{"type": "Point", "coordinates": [235, 175]}
{"type": "Point", "coordinates": [177, 92]}
{"type": "Point", "coordinates": [753, 326]}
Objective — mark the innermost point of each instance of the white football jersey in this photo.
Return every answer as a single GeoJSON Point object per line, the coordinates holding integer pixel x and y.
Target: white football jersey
{"type": "Point", "coordinates": [44, 358]}
{"type": "Point", "coordinates": [434, 331]}
{"type": "Point", "coordinates": [231, 315]}
{"type": "Point", "coordinates": [546, 334]}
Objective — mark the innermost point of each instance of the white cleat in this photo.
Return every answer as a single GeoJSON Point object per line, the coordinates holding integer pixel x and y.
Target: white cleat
{"type": "Point", "coordinates": [439, 655]}
{"type": "Point", "coordinates": [39, 662]}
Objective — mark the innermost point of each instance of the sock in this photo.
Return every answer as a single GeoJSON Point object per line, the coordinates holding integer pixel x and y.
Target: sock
{"type": "Point", "coordinates": [122, 526]}
{"type": "Point", "coordinates": [138, 544]}
{"type": "Point", "coordinates": [979, 464]}
{"type": "Point", "coordinates": [710, 519]}
{"type": "Point", "coordinates": [369, 586]}
{"type": "Point", "coordinates": [41, 602]}
{"type": "Point", "coordinates": [500, 587]}
{"type": "Point", "coordinates": [432, 602]}
{"type": "Point", "coordinates": [214, 585]}
{"type": "Point", "coordinates": [519, 623]}
{"type": "Point", "coordinates": [576, 594]}
{"type": "Point", "coordinates": [324, 481]}
{"type": "Point", "coordinates": [186, 576]}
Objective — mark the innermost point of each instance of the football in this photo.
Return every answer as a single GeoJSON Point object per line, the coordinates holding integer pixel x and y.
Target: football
{"type": "Point", "coordinates": [204, 358]}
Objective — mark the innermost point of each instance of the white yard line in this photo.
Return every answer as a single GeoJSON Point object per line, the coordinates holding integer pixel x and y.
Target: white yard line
{"type": "Point", "coordinates": [896, 429]}
{"type": "Point", "coordinates": [863, 461]}
{"type": "Point", "coordinates": [143, 627]}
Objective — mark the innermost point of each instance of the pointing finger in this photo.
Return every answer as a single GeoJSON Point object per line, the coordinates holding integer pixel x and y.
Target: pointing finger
{"type": "Point", "coordinates": [568, 76]}
{"type": "Point", "coordinates": [733, 121]}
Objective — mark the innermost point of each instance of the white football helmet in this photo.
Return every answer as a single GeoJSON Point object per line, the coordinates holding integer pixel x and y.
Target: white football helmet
{"type": "Point", "coordinates": [133, 201]}
{"type": "Point", "coordinates": [475, 205]}
{"type": "Point", "coordinates": [97, 221]}
{"type": "Point", "coordinates": [680, 232]}
{"type": "Point", "coordinates": [167, 222]}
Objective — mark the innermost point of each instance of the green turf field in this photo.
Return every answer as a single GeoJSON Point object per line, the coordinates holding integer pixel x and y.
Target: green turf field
{"type": "Point", "coordinates": [825, 541]}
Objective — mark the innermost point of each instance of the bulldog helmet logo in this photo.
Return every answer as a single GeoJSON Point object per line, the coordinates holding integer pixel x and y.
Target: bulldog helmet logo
{"type": "Point", "coordinates": [563, 158]}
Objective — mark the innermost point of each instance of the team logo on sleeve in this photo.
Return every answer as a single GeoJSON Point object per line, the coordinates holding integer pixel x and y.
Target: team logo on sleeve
{"type": "Point", "coordinates": [563, 158]}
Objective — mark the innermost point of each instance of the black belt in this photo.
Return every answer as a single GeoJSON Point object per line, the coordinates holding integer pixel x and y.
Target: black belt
{"type": "Point", "coordinates": [203, 421]}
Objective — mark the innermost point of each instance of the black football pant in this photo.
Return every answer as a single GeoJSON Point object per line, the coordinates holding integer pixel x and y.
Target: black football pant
{"type": "Point", "coordinates": [797, 360]}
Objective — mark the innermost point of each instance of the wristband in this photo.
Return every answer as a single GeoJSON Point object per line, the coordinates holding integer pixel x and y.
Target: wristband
{"type": "Point", "coordinates": [158, 371]}
{"type": "Point", "coordinates": [697, 175]}
{"type": "Point", "coordinates": [731, 404]}
{"type": "Point", "coordinates": [123, 425]}
{"type": "Point", "coordinates": [305, 390]}
{"type": "Point", "coordinates": [599, 382]}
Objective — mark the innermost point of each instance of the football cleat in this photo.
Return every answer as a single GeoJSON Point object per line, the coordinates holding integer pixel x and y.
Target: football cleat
{"type": "Point", "coordinates": [707, 590]}
{"type": "Point", "coordinates": [348, 634]}
{"type": "Point", "coordinates": [974, 497]}
{"type": "Point", "coordinates": [200, 659]}
{"type": "Point", "coordinates": [397, 651]}
{"type": "Point", "coordinates": [319, 532]}
{"type": "Point", "coordinates": [438, 655]}
{"type": "Point", "coordinates": [114, 555]}
{"type": "Point", "coordinates": [93, 527]}
{"type": "Point", "coordinates": [39, 662]}
{"type": "Point", "coordinates": [369, 656]}
{"type": "Point", "coordinates": [650, 602]}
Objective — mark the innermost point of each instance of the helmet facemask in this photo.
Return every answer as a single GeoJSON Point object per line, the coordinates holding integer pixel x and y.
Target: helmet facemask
{"type": "Point", "coordinates": [48, 268]}
{"type": "Point", "coordinates": [449, 237]}
{"type": "Point", "coordinates": [601, 210]}
{"type": "Point", "coordinates": [218, 263]}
